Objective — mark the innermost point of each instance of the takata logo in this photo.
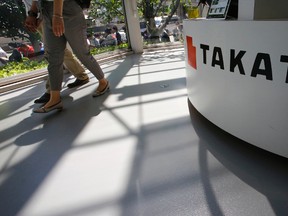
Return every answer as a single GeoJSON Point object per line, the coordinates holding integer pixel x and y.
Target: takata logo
{"type": "Point", "coordinates": [262, 63]}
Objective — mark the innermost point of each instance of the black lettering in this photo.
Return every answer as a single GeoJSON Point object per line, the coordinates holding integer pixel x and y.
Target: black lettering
{"type": "Point", "coordinates": [217, 52]}
{"type": "Point", "coordinates": [204, 48]}
{"type": "Point", "coordinates": [285, 59]}
{"type": "Point", "coordinates": [267, 71]}
{"type": "Point", "coordinates": [237, 61]}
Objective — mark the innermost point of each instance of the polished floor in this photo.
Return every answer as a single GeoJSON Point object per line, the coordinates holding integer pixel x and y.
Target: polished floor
{"type": "Point", "coordinates": [140, 150]}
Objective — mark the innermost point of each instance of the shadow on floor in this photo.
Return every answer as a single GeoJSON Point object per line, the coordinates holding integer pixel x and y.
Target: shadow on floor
{"type": "Point", "coordinates": [265, 172]}
{"type": "Point", "coordinates": [51, 135]}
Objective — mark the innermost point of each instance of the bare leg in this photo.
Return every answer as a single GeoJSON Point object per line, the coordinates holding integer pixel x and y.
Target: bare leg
{"type": "Point", "coordinates": [54, 103]}
{"type": "Point", "coordinates": [54, 99]}
{"type": "Point", "coordinates": [102, 84]}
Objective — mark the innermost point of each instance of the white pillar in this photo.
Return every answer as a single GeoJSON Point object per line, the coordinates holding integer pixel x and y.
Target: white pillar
{"type": "Point", "coordinates": [133, 26]}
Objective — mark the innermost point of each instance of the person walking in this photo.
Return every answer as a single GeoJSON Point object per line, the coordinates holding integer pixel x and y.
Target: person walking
{"type": "Point", "coordinates": [70, 62]}
{"type": "Point", "coordinates": [64, 21]}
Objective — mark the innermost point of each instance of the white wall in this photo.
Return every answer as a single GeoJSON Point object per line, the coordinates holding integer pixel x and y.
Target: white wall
{"type": "Point", "coordinates": [262, 9]}
{"type": "Point", "coordinates": [270, 9]}
{"type": "Point", "coordinates": [246, 9]}
{"type": "Point", "coordinates": [251, 107]}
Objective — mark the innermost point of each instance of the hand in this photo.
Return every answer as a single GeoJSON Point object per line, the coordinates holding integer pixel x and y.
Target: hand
{"type": "Point", "coordinates": [58, 25]}
{"type": "Point", "coordinates": [31, 24]}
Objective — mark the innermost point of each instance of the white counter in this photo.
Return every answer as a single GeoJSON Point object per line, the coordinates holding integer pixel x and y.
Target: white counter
{"type": "Point", "coordinates": [237, 77]}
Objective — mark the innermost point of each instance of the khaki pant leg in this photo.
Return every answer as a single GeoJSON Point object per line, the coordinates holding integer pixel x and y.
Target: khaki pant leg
{"type": "Point", "coordinates": [40, 31]}
{"type": "Point", "coordinates": [74, 66]}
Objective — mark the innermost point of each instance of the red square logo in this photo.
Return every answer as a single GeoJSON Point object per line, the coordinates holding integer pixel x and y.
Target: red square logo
{"type": "Point", "coordinates": [191, 52]}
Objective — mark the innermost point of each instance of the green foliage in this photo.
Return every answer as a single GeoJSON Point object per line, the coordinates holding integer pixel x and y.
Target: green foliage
{"type": "Point", "coordinates": [96, 51]}
{"type": "Point", "coordinates": [13, 68]}
{"type": "Point", "coordinates": [12, 15]}
{"type": "Point", "coordinates": [147, 9]}
{"type": "Point", "coordinates": [152, 8]}
{"type": "Point", "coordinates": [106, 10]}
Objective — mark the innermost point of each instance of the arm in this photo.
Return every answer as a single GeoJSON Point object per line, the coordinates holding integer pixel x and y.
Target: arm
{"type": "Point", "coordinates": [57, 20]}
{"type": "Point", "coordinates": [31, 21]}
